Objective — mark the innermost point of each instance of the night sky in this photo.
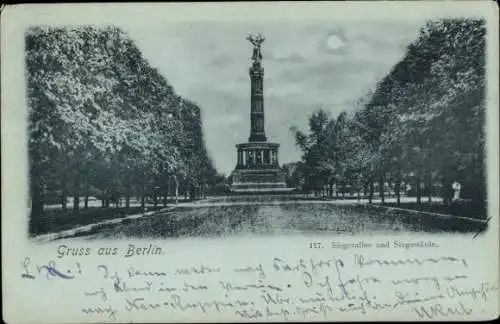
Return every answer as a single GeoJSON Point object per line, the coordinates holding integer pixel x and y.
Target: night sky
{"type": "Point", "coordinates": [308, 64]}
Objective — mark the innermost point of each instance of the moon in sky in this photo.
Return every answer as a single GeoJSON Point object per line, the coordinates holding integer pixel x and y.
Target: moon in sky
{"type": "Point", "coordinates": [334, 42]}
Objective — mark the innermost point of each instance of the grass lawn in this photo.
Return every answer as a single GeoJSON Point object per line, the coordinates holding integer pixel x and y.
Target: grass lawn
{"type": "Point", "coordinates": [55, 220]}
{"type": "Point", "coordinates": [276, 218]}
{"type": "Point", "coordinates": [460, 208]}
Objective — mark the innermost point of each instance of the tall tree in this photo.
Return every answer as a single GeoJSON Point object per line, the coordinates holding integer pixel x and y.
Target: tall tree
{"type": "Point", "coordinates": [101, 119]}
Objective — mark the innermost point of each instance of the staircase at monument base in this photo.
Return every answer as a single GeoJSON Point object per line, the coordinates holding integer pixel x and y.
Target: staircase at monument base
{"type": "Point", "coordinates": [259, 181]}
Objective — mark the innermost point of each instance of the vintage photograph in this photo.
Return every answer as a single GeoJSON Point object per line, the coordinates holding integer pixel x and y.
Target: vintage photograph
{"type": "Point", "coordinates": [217, 129]}
{"type": "Point", "coordinates": [250, 162]}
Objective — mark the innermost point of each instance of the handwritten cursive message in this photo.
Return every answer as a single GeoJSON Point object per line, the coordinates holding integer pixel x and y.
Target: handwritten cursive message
{"type": "Point", "coordinates": [278, 288]}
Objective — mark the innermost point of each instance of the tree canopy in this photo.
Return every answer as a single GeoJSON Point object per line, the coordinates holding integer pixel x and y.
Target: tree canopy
{"type": "Point", "coordinates": [103, 121]}
{"type": "Point", "coordinates": [424, 122]}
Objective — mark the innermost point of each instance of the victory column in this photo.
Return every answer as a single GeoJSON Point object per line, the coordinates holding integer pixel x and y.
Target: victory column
{"type": "Point", "coordinates": [257, 169]}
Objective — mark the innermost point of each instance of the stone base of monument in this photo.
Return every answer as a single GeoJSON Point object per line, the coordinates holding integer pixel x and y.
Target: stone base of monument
{"type": "Point", "coordinates": [259, 180]}
{"type": "Point", "coordinates": [257, 170]}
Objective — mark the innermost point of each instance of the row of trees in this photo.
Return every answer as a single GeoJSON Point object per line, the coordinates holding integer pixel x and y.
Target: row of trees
{"type": "Point", "coordinates": [104, 123]}
{"type": "Point", "coordinates": [423, 124]}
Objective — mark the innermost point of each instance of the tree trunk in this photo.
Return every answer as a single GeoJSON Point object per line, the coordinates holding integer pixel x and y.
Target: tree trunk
{"type": "Point", "coordinates": [419, 190]}
{"type": "Point", "coordinates": [382, 189]}
{"type": "Point", "coordinates": [169, 188]}
{"type": "Point", "coordinates": [165, 197]}
{"type": "Point", "coordinates": [176, 188]}
{"type": "Point", "coordinates": [64, 200]}
{"type": "Point", "coordinates": [143, 202]}
{"type": "Point", "coordinates": [155, 199]}
{"type": "Point", "coordinates": [76, 192]}
{"type": "Point", "coordinates": [398, 191]}
{"type": "Point", "coordinates": [76, 201]}
{"type": "Point", "coordinates": [192, 192]}
{"type": "Point", "coordinates": [447, 191]}
{"type": "Point", "coordinates": [87, 194]}
{"type": "Point", "coordinates": [127, 200]}
{"type": "Point", "coordinates": [37, 202]}
{"type": "Point", "coordinates": [370, 194]}
{"type": "Point", "coordinates": [429, 186]}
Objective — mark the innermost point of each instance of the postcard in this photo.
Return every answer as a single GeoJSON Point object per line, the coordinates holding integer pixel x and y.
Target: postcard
{"type": "Point", "coordinates": [250, 162]}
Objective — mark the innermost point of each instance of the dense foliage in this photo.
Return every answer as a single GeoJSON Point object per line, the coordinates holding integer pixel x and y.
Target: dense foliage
{"type": "Point", "coordinates": [103, 122]}
{"type": "Point", "coordinates": [422, 125]}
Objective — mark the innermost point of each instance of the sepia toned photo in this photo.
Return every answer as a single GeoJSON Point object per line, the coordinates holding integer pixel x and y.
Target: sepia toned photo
{"type": "Point", "coordinates": [192, 135]}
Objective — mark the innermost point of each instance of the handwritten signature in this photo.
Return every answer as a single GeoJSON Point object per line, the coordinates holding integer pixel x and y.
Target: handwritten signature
{"type": "Point", "coordinates": [49, 269]}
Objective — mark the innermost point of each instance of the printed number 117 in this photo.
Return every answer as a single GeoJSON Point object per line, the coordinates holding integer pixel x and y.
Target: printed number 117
{"type": "Point", "coordinates": [315, 245]}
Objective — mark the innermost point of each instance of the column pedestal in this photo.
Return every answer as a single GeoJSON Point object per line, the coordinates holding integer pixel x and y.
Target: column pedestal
{"type": "Point", "coordinates": [259, 170]}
